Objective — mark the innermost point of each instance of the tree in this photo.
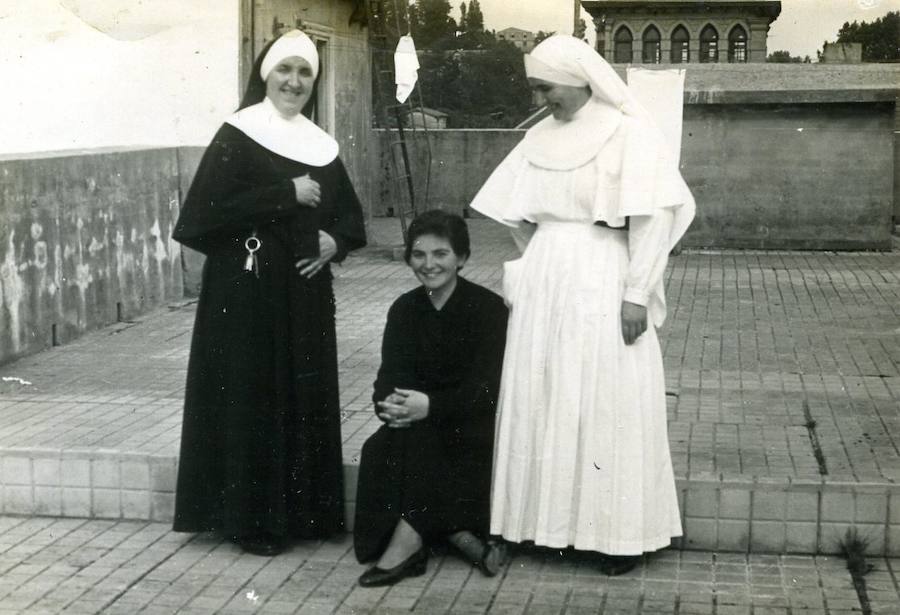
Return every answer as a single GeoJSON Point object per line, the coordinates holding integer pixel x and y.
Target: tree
{"type": "Point", "coordinates": [478, 88]}
{"type": "Point", "coordinates": [396, 21]}
{"type": "Point", "coordinates": [474, 78]}
{"type": "Point", "coordinates": [432, 21]}
{"type": "Point", "coordinates": [880, 39]}
{"type": "Point", "coordinates": [475, 18]}
{"type": "Point", "coordinates": [784, 57]}
{"type": "Point", "coordinates": [541, 35]}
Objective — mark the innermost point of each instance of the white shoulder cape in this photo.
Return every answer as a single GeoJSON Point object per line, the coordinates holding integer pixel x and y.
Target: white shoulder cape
{"type": "Point", "coordinates": [297, 138]}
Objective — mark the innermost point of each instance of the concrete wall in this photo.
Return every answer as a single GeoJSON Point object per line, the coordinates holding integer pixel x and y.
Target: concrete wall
{"type": "Point", "coordinates": [842, 53]}
{"type": "Point", "coordinates": [84, 240]}
{"type": "Point", "coordinates": [766, 176]}
{"type": "Point", "coordinates": [790, 176]}
{"type": "Point", "coordinates": [778, 157]}
{"type": "Point", "coordinates": [122, 74]}
{"type": "Point", "coordinates": [192, 261]}
{"type": "Point", "coordinates": [460, 162]}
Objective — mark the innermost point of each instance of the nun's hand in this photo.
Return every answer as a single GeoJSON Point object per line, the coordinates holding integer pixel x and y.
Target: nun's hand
{"type": "Point", "coordinates": [634, 321]}
{"type": "Point", "coordinates": [327, 249]}
{"type": "Point", "coordinates": [307, 191]}
{"type": "Point", "coordinates": [403, 407]}
{"type": "Point", "coordinates": [392, 413]}
{"type": "Point", "coordinates": [416, 403]}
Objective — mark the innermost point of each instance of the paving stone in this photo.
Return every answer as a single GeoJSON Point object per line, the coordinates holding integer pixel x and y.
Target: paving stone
{"type": "Point", "coordinates": [757, 345]}
{"type": "Point", "coordinates": [768, 583]}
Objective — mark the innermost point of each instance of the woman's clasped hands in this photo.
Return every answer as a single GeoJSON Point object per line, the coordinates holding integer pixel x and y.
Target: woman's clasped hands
{"type": "Point", "coordinates": [403, 407]}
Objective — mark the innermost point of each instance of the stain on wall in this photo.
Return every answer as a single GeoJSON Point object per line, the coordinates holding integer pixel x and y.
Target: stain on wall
{"type": "Point", "coordinates": [84, 240]}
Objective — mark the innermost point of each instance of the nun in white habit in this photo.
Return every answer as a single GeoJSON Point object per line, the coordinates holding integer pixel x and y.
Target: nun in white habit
{"type": "Point", "coordinates": [595, 200]}
{"type": "Point", "coordinates": [271, 207]}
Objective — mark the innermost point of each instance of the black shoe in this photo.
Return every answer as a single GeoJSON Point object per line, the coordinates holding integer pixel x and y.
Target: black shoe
{"type": "Point", "coordinates": [262, 544]}
{"type": "Point", "coordinates": [489, 549]}
{"type": "Point", "coordinates": [614, 565]}
{"type": "Point", "coordinates": [412, 566]}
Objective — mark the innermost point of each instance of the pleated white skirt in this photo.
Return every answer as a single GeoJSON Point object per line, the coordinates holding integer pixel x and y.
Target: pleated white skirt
{"type": "Point", "coordinates": [582, 453]}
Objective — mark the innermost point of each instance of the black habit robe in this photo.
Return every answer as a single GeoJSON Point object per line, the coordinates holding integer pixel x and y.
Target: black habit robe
{"type": "Point", "coordinates": [261, 441]}
{"type": "Point", "coordinates": [435, 474]}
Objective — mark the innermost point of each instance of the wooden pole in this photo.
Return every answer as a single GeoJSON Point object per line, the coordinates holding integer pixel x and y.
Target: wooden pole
{"type": "Point", "coordinates": [576, 17]}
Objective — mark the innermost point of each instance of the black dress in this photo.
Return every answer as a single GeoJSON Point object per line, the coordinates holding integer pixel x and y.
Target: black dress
{"type": "Point", "coordinates": [261, 442]}
{"type": "Point", "coordinates": [436, 474]}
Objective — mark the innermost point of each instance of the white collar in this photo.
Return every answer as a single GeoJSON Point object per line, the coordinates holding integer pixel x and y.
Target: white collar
{"type": "Point", "coordinates": [297, 138]}
{"type": "Point", "coordinates": [557, 145]}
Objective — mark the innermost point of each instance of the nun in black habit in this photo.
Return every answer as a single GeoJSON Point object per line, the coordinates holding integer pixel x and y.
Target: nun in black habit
{"type": "Point", "coordinates": [271, 206]}
{"type": "Point", "coordinates": [425, 475]}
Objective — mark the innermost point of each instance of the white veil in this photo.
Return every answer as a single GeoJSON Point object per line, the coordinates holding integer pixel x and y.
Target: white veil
{"type": "Point", "coordinates": [650, 178]}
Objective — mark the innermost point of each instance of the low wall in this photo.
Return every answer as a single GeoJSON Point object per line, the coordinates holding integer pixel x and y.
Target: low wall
{"type": "Point", "coordinates": [84, 242]}
{"type": "Point", "coordinates": [790, 176]}
{"type": "Point", "coordinates": [85, 238]}
{"type": "Point", "coordinates": [188, 161]}
{"type": "Point", "coordinates": [782, 165]}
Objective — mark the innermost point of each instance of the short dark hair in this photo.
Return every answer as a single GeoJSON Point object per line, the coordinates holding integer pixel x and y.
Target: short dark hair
{"type": "Point", "coordinates": [440, 224]}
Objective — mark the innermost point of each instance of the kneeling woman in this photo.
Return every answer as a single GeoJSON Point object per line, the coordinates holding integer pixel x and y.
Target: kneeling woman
{"type": "Point", "coordinates": [425, 474]}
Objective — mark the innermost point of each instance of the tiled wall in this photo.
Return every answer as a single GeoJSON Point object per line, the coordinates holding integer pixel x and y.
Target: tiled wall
{"type": "Point", "coordinates": [727, 516]}
{"type": "Point", "coordinates": [789, 517]}
{"type": "Point", "coordinates": [90, 484]}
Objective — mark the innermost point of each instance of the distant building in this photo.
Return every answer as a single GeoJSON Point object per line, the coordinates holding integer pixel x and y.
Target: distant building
{"type": "Point", "coordinates": [842, 53]}
{"type": "Point", "coordinates": [681, 31]}
{"type": "Point", "coordinates": [523, 39]}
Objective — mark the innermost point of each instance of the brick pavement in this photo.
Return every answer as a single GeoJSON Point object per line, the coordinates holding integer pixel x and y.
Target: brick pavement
{"type": "Point", "coordinates": [783, 374]}
{"type": "Point", "coordinates": [79, 566]}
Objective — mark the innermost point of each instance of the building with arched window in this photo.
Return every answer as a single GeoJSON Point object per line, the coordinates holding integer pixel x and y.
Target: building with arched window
{"type": "Point", "coordinates": [709, 44]}
{"type": "Point", "coordinates": [737, 45]}
{"type": "Point", "coordinates": [623, 51]}
{"type": "Point", "coordinates": [681, 46]}
{"type": "Point", "coordinates": [652, 46]}
{"type": "Point", "coordinates": [682, 31]}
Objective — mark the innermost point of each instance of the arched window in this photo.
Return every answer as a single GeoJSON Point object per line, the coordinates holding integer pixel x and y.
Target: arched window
{"type": "Point", "coordinates": [622, 51]}
{"type": "Point", "coordinates": [709, 44]}
{"type": "Point", "coordinates": [681, 46]}
{"type": "Point", "coordinates": [652, 47]}
{"type": "Point", "coordinates": [737, 45]}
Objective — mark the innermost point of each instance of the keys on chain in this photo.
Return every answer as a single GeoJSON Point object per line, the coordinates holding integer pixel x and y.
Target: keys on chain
{"type": "Point", "coordinates": [252, 244]}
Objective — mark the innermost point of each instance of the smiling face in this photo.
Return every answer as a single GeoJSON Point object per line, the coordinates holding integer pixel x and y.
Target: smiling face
{"type": "Point", "coordinates": [435, 263]}
{"type": "Point", "coordinates": [290, 85]}
{"type": "Point", "coordinates": [562, 100]}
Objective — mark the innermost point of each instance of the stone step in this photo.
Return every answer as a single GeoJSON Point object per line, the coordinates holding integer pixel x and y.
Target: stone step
{"type": "Point", "coordinates": [721, 514]}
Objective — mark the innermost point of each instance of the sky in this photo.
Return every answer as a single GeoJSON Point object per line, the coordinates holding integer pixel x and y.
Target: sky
{"type": "Point", "coordinates": [801, 28]}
